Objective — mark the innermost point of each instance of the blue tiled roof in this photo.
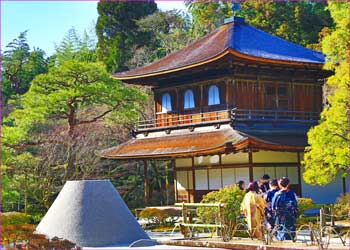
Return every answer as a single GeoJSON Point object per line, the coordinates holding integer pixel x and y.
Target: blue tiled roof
{"type": "Point", "coordinates": [254, 42]}
{"type": "Point", "coordinates": [237, 36]}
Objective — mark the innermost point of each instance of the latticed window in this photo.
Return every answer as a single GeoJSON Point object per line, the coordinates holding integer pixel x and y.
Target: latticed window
{"type": "Point", "coordinates": [166, 102]}
{"type": "Point", "coordinates": [188, 99]}
{"type": "Point", "coordinates": [213, 95]}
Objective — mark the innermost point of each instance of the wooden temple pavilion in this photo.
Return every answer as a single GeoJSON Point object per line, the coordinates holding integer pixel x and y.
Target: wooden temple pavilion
{"type": "Point", "coordinates": [232, 106]}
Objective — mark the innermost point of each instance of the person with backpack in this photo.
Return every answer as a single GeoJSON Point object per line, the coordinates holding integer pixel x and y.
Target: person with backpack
{"type": "Point", "coordinates": [285, 208]}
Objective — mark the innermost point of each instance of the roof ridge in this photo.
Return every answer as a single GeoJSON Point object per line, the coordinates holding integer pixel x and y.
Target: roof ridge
{"type": "Point", "coordinates": [187, 45]}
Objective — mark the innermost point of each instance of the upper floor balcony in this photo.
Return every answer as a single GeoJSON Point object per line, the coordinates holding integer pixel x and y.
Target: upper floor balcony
{"type": "Point", "coordinates": [224, 115]}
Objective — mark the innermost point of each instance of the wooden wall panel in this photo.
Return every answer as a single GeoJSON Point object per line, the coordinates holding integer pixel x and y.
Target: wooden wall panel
{"type": "Point", "coordinates": [241, 93]}
{"type": "Point", "coordinates": [307, 97]}
{"type": "Point", "coordinates": [247, 94]}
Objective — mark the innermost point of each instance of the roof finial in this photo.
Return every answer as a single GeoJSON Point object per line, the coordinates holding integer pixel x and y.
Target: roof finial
{"type": "Point", "coordinates": [235, 7]}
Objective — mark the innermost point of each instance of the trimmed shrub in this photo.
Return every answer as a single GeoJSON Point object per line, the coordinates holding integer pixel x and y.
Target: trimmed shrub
{"type": "Point", "coordinates": [15, 218]}
{"type": "Point", "coordinates": [22, 236]}
{"type": "Point", "coordinates": [157, 216]}
{"type": "Point", "coordinates": [231, 197]}
{"type": "Point", "coordinates": [305, 204]}
{"type": "Point", "coordinates": [342, 206]}
{"type": "Point", "coordinates": [17, 233]}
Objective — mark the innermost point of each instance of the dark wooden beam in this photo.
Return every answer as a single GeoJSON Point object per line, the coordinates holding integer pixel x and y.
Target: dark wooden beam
{"type": "Point", "coordinates": [250, 156]}
{"type": "Point", "coordinates": [145, 182]}
{"type": "Point", "coordinates": [193, 179]}
{"type": "Point", "coordinates": [299, 175]}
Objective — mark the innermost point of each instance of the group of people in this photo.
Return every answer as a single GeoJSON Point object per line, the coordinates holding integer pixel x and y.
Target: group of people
{"type": "Point", "coordinates": [272, 203]}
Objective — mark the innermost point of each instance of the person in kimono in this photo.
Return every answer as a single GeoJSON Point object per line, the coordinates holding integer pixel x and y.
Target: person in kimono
{"type": "Point", "coordinates": [285, 207]}
{"type": "Point", "coordinates": [268, 196]}
{"type": "Point", "coordinates": [241, 185]}
{"type": "Point", "coordinates": [264, 183]}
{"type": "Point", "coordinates": [253, 209]}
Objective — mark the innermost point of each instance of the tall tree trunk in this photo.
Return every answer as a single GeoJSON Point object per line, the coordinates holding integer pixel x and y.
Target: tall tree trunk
{"type": "Point", "coordinates": [70, 169]}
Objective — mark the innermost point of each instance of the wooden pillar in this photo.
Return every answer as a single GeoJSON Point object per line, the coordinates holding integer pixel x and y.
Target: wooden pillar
{"type": "Point", "coordinates": [292, 97]}
{"type": "Point", "coordinates": [250, 156]}
{"type": "Point", "coordinates": [332, 216]}
{"type": "Point", "coordinates": [299, 175]}
{"type": "Point", "coordinates": [228, 91]}
{"type": "Point", "coordinates": [167, 182]}
{"type": "Point", "coordinates": [178, 106]}
{"type": "Point", "coordinates": [177, 100]}
{"type": "Point", "coordinates": [175, 183]}
{"type": "Point", "coordinates": [145, 182]}
{"type": "Point", "coordinates": [322, 220]}
{"type": "Point", "coordinates": [193, 180]}
{"type": "Point", "coordinates": [201, 102]}
{"type": "Point", "coordinates": [221, 178]}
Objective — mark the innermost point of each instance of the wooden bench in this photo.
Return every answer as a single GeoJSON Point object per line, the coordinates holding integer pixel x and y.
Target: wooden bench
{"type": "Point", "coordinates": [187, 227]}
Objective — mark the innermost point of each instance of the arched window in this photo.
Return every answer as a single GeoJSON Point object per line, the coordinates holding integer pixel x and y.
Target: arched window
{"type": "Point", "coordinates": [166, 102]}
{"type": "Point", "coordinates": [213, 95]}
{"type": "Point", "coordinates": [188, 99]}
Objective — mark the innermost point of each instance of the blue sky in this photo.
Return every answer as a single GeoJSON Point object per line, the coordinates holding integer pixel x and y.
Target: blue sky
{"type": "Point", "coordinates": [47, 21]}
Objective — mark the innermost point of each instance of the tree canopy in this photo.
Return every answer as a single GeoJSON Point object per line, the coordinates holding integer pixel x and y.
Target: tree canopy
{"type": "Point", "coordinates": [68, 112]}
{"type": "Point", "coordinates": [117, 31]}
{"type": "Point", "coordinates": [329, 150]}
{"type": "Point", "coordinates": [296, 21]}
{"type": "Point", "coordinates": [20, 65]}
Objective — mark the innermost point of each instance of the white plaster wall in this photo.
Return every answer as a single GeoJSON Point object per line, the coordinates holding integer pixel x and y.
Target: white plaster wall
{"type": "Point", "coordinates": [235, 158]}
{"type": "Point", "coordinates": [182, 182]}
{"type": "Point", "coordinates": [230, 176]}
{"type": "Point", "coordinates": [277, 172]}
{"type": "Point", "coordinates": [272, 156]}
{"type": "Point", "coordinates": [201, 180]}
{"type": "Point", "coordinates": [207, 160]}
{"type": "Point", "coordinates": [183, 162]}
{"type": "Point", "coordinates": [215, 179]}
{"type": "Point", "coordinates": [242, 174]}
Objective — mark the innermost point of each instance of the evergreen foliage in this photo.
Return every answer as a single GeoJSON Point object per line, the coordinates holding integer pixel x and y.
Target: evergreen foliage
{"type": "Point", "coordinates": [329, 150]}
{"type": "Point", "coordinates": [118, 33]}
{"type": "Point", "coordinates": [20, 65]}
{"type": "Point", "coordinates": [296, 21]}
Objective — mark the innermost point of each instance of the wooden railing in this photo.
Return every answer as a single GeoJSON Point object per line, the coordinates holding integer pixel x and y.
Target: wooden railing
{"type": "Point", "coordinates": [173, 120]}
{"type": "Point", "coordinates": [188, 225]}
{"type": "Point", "coordinates": [272, 115]}
{"type": "Point", "coordinates": [176, 120]}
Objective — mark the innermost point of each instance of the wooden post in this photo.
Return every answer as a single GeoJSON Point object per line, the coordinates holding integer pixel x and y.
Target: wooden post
{"type": "Point", "coordinates": [145, 182]}
{"type": "Point", "coordinates": [167, 182]}
{"type": "Point", "coordinates": [193, 181]}
{"type": "Point", "coordinates": [201, 104]}
{"type": "Point", "coordinates": [299, 174]}
{"type": "Point", "coordinates": [322, 220]}
{"type": "Point", "coordinates": [311, 233]}
{"type": "Point", "coordinates": [184, 213]}
{"type": "Point", "coordinates": [250, 155]}
{"type": "Point", "coordinates": [221, 221]}
{"type": "Point", "coordinates": [332, 216]}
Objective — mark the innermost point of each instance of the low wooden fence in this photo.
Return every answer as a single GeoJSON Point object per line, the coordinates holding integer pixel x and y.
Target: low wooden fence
{"type": "Point", "coordinates": [188, 226]}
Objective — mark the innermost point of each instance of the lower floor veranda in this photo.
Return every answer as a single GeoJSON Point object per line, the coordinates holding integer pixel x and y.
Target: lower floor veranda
{"type": "Point", "coordinates": [208, 158]}
{"type": "Point", "coordinates": [196, 176]}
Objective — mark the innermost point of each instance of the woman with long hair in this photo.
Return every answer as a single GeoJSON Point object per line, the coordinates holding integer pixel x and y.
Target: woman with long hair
{"type": "Point", "coordinates": [253, 208]}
